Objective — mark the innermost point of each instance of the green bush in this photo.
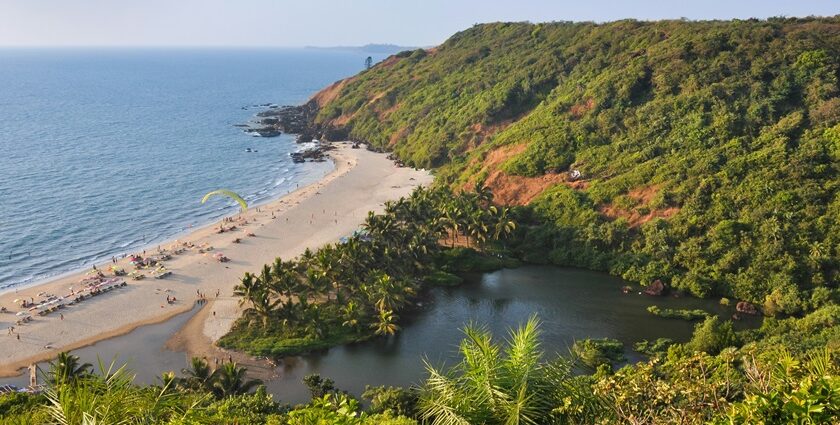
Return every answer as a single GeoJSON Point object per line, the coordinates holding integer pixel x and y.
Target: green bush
{"type": "Point", "coordinates": [671, 313]}
{"type": "Point", "coordinates": [712, 336]}
{"type": "Point", "coordinates": [597, 352]}
{"type": "Point", "coordinates": [442, 278]}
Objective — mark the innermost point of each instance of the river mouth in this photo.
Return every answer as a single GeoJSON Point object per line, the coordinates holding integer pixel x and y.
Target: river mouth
{"type": "Point", "coordinates": [570, 303]}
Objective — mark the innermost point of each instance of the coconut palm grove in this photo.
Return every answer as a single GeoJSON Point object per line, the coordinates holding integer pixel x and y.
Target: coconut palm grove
{"type": "Point", "coordinates": [690, 158]}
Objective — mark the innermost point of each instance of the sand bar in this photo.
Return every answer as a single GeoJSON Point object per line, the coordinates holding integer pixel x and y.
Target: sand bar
{"type": "Point", "coordinates": [312, 216]}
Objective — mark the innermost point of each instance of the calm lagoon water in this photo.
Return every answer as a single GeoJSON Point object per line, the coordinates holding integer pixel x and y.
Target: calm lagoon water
{"type": "Point", "coordinates": [571, 304]}
{"type": "Point", "coordinates": [106, 151]}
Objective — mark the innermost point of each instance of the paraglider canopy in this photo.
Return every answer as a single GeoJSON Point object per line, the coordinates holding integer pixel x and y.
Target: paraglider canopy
{"type": "Point", "coordinates": [229, 193]}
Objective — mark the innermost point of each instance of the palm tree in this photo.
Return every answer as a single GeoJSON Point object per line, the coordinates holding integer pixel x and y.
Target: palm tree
{"type": "Point", "coordinates": [230, 380]}
{"type": "Point", "coordinates": [388, 293]}
{"type": "Point", "coordinates": [352, 315]}
{"type": "Point", "coordinates": [484, 194]}
{"type": "Point", "coordinates": [247, 289]}
{"type": "Point", "coordinates": [198, 375]}
{"type": "Point", "coordinates": [476, 227]}
{"type": "Point", "coordinates": [503, 226]}
{"type": "Point", "coordinates": [386, 325]}
{"type": "Point", "coordinates": [496, 384]}
{"type": "Point", "coordinates": [265, 278]}
{"type": "Point", "coordinates": [451, 220]}
{"type": "Point", "coordinates": [66, 369]}
{"type": "Point", "coordinates": [110, 397]}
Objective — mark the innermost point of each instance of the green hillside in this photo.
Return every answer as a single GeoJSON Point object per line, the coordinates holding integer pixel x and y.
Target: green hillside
{"type": "Point", "coordinates": [709, 151]}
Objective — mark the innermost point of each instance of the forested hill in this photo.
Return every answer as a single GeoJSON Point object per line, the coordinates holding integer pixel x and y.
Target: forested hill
{"type": "Point", "coordinates": [708, 151]}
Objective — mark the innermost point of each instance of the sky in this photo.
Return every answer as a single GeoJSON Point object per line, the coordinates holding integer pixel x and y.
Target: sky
{"type": "Point", "coordinates": [287, 23]}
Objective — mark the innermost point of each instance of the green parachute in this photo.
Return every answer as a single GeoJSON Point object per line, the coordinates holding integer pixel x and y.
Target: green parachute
{"type": "Point", "coordinates": [229, 193]}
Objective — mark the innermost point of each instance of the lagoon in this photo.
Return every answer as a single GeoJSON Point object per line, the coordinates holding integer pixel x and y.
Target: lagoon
{"type": "Point", "coordinates": [571, 304]}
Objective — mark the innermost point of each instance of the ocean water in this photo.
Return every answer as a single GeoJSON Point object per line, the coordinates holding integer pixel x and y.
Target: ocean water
{"type": "Point", "coordinates": [103, 152]}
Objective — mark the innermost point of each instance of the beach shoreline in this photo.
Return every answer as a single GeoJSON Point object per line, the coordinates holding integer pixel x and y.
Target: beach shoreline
{"type": "Point", "coordinates": [359, 182]}
{"type": "Point", "coordinates": [167, 240]}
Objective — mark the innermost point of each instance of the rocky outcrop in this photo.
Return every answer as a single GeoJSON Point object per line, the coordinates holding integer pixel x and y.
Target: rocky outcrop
{"type": "Point", "coordinates": [746, 308]}
{"type": "Point", "coordinates": [656, 288]}
{"type": "Point", "coordinates": [276, 120]}
{"type": "Point", "coordinates": [315, 154]}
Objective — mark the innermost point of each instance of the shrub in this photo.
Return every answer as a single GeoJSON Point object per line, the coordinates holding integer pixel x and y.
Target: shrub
{"type": "Point", "coordinates": [712, 336]}
{"type": "Point", "coordinates": [597, 352]}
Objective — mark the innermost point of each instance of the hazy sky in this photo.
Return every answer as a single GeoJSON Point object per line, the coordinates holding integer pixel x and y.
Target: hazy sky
{"type": "Point", "coordinates": [332, 22]}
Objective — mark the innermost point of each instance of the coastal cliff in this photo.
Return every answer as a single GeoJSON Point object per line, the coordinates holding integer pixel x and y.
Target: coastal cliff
{"type": "Point", "coordinates": [703, 154]}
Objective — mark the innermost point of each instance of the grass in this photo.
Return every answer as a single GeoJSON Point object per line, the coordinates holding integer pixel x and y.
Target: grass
{"type": "Point", "coordinates": [671, 313]}
{"type": "Point", "coordinates": [258, 342]}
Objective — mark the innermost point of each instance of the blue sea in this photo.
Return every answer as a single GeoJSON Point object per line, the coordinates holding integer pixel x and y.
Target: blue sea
{"type": "Point", "coordinates": [106, 151]}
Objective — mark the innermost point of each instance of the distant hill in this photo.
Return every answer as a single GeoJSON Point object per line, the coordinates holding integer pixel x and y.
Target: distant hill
{"type": "Point", "coordinates": [384, 49]}
{"type": "Point", "coordinates": [708, 152]}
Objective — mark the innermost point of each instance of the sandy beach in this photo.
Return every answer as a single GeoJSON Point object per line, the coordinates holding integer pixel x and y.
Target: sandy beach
{"type": "Point", "coordinates": [311, 216]}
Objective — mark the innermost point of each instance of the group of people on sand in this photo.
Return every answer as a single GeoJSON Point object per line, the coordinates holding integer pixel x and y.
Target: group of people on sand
{"type": "Point", "coordinates": [202, 297]}
{"type": "Point", "coordinates": [13, 331]}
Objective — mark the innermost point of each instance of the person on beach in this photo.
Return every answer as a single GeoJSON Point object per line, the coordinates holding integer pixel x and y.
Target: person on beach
{"type": "Point", "coordinates": [61, 315]}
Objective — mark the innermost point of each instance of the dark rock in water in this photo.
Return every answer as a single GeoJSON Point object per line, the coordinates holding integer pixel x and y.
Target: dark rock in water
{"type": "Point", "coordinates": [305, 138]}
{"type": "Point", "coordinates": [746, 308]}
{"type": "Point", "coordinates": [289, 119]}
{"type": "Point", "coordinates": [316, 154]}
{"type": "Point", "coordinates": [241, 125]}
{"type": "Point", "coordinates": [265, 131]}
{"type": "Point", "coordinates": [655, 289]}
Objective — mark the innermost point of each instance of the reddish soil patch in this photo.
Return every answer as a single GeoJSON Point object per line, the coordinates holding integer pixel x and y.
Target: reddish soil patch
{"type": "Point", "coordinates": [384, 114]}
{"type": "Point", "coordinates": [342, 120]}
{"type": "Point", "coordinates": [518, 190]}
{"type": "Point", "coordinates": [579, 109]}
{"type": "Point", "coordinates": [389, 61]}
{"type": "Point", "coordinates": [495, 158]}
{"type": "Point", "coordinates": [485, 131]}
{"type": "Point", "coordinates": [643, 196]}
{"type": "Point", "coordinates": [331, 92]}
{"type": "Point", "coordinates": [397, 135]}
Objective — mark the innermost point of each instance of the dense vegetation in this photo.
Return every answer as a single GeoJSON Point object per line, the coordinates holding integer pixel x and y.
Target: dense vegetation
{"type": "Point", "coordinates": [708, 151]}
{"type": "Point", "coordinates": [356, 289]}
{"type": "Point", "coordinates": [708, 155]}
{"type": "Point", "coordinates": [511, 382]}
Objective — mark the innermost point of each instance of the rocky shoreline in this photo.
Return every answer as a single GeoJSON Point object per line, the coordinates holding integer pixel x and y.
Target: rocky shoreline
{"type": "Point", "coordinates": [275, 120]}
